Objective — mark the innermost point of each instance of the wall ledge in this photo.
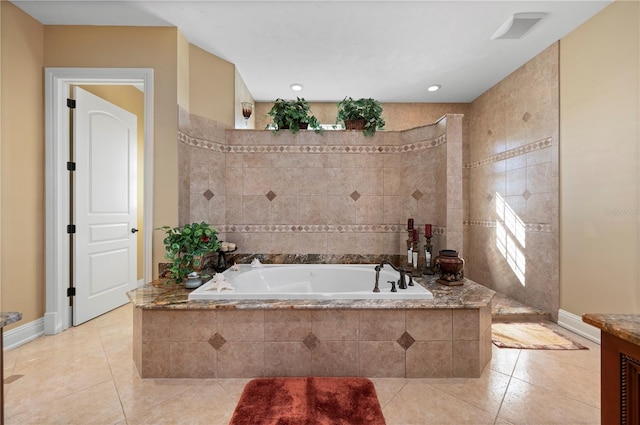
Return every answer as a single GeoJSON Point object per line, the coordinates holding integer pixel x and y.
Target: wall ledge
{"type": "Point", "coordinates": [575, 324]}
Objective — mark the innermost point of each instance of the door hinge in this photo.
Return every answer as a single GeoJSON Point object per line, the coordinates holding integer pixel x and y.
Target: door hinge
{"type": "Point", "coordinates": [71, 292]}
{"type": "Point", "coordinates": [71, 103]}
{"type": "Point", "coordinates": [71, 228]}
{"type": "Point", "coordinates": [71, 166]}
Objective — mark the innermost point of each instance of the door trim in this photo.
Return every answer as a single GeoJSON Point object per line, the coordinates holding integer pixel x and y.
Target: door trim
{"type": "Point", "coordinates": [57, 82]}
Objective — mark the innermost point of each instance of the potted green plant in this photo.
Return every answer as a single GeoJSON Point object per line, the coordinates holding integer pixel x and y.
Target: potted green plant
{"type": "Point", "coordinates": [187, 246]}
{"type": "Point", "coordinates": [362, 114]}
{"type": "Point", "coordinates": [293, 115]}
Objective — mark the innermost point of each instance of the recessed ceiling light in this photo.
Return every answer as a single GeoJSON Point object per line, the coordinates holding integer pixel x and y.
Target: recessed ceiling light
{"type": "Point", "coordinates": [296, 87]}
{"type": "Point", "coordinates": [434, 87]}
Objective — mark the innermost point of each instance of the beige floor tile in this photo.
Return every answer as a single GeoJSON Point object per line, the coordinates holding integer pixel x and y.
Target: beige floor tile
{"type": "Point", "coordinates": [387, 388]}
{"type": "Point", "coordinates": [485, 392]}
{"type": "Point", "coordinates": [207, 403]}
{"type": "Point", "coordinates": [419, 404]}
{"type": "Point", "coordinates": [525, 403]}
{"type": "Point", "coordinates": [98, 405]}
{"type": "Point", "coordinates": [137, 395]}
{"type": "Point", "coordinates": [233, 387]}
{"type": "Point", "coordinates": [553, 372]}
{"type": "Point", "coordinates": [504, 360]}
{"type": "Point", "coordinates": [45, 381]}
{"type": "Point", "coordinates": [9, 358]}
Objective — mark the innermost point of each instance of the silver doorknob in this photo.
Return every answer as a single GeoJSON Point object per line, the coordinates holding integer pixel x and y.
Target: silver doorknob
{"type": "Point", "coordinates": [134, 230]}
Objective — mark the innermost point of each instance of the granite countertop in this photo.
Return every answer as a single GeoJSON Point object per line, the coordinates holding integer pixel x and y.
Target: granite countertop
{"type": "Point", "coordinates": [7, 318]}
{"type": "Point", "coordinates": [159, 296]}
{"type": "Point", "coordinates": [624, 326]}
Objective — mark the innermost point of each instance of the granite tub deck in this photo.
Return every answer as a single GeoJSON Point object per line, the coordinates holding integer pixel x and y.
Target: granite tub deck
{"type": "Point", "coordinates": [449, 336]}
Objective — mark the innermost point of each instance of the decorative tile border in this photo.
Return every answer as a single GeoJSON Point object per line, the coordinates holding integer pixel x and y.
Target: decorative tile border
{"type": "Point", "coordinates": [319, 228]}
{"type": "Point", "coordinates": [531, 147]}
{"type": "Point", "coordinates": [200, 143]}
{"type": "Point", "coordinates": [528, 227]}
{"type": "Point", "coordinates": [219, 147]}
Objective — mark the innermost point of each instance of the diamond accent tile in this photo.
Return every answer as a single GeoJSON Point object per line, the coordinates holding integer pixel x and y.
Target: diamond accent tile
{"type": "Point", "coordinates": [526, 117]}
{"type": "Point", "coordinates": [208, 194]}
{"type": "Point", "coordinates": [311, 341]}
{"type": "Point", "coordinates": [526, 194]}
{"type": "Point", "coordinates": [355, 195]}
{"type": "Point", "coordinates": [489, 197]}
{"type": "Point", "coordinates": [417, 195]}
{"type": "Point", "coordinates": [217, 341]}
{"type": "Point", "coordinates": [490, 133]}
{"type": "Point", "coordinates": [405, 341]}
{"type": "Point", "coordinates": [270, 195]}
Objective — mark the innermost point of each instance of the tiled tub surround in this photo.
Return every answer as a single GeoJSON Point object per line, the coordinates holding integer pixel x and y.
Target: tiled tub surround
{"type": "Point", "coordinates": [334, 193]}
{"type": "Point", "coordinates": [511, 163]}
{"type": "Point", "coordinates": [449, 336]}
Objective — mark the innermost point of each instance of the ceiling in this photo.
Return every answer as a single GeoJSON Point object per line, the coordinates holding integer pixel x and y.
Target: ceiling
{"type": "Point", "coordinates": [389, 50]}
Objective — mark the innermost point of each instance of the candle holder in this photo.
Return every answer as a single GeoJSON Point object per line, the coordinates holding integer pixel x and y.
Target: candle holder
{"type": "Point", "coordinates": [247, 110]}
{"type": "Point", "coordinates": [428, 253]}
{"type": "Point", "coordinates": [413, 249]}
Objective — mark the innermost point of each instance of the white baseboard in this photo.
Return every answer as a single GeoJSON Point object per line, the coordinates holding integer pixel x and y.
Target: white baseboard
{"type": "Point", "coordinates": [16, 337]}
{"type": "Point", "coordinates": [575, 324]}
{"type": "Point", "coordinates": [140, 283]}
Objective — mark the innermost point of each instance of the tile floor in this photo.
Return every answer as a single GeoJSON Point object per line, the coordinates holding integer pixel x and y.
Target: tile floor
{"type": "Point", "coordinates": [86, 375]}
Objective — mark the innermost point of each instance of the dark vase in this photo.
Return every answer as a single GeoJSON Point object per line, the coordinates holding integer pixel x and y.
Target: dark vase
{"type": "Point", "coordinates": [450, 266]}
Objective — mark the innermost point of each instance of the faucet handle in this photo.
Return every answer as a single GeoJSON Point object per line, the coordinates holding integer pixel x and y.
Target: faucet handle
{"type": "Point", "coordinates": [393, 285]}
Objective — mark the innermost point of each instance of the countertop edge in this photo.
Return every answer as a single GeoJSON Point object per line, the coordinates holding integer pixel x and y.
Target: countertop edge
{"type": "Point", "coordinates": [9, 317]}
{"type": "Point", "coordinates": [623, 326]}
{"type": "Point", "coordinates": [157, 296]}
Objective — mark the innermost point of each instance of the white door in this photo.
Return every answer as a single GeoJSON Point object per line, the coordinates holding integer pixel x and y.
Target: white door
{"type": "Point", "coordinates": [105, 209]}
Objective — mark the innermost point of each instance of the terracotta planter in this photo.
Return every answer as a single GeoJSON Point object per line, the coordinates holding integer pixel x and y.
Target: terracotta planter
{"type": "Point", "coordinates": [354, 124]}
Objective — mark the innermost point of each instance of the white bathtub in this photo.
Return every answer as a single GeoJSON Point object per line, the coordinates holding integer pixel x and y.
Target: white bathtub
{"type": "Point", "coordinates": [310, 281]}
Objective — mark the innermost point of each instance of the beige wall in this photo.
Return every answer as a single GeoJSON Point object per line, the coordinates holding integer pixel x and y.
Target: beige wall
{"type": "Point", "coordinates": [599, 180]}
{"type": "Point", "coordinates": [398, 116]}
{"type": "Point", "coordinates": [22, 170]}
{"type": "Point", "coordinates": [130, 99]}
{"type": "Point", "coordinates": [513, 168]}
{"type": "Point", "coordinates": [137, 47]}
{"type": "Point", "coordinates": [212, 86]}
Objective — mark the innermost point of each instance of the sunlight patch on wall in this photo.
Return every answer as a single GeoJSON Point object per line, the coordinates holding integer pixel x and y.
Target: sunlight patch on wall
{"type": "Point", "coordinates": [510, 237]}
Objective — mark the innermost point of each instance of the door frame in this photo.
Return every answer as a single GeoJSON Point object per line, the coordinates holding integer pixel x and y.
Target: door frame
{"type": "Point", "coordinates": [57, 315]}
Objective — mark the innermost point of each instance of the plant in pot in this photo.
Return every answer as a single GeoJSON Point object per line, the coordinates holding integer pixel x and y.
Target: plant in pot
{"type": "Point", "coordinates": [362, 114]}
{"type": "Point", "coordinates": [187, 247]}
{"type": "Point", "coordinates": [293, 115]}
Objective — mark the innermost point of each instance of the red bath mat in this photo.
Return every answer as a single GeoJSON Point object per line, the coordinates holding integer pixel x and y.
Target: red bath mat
{"type": "Point", "coordinates": [308, 401]}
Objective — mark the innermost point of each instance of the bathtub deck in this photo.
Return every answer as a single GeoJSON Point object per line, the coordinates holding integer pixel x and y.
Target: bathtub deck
{"type": "Point", "coordinates": [449, 336]}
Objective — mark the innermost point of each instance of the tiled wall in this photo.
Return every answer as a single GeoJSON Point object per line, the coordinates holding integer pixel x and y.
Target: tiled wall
{"type": "Point", "coordinates": [511, 182]}
{"type": "Point", "coordinates": [250, 343]}
{"type": "Point", "coordinates": [333, 193]}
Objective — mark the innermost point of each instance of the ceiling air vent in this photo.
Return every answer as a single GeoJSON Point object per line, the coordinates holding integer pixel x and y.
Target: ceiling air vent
{"type": "Point", "coordinates": [518, 25]}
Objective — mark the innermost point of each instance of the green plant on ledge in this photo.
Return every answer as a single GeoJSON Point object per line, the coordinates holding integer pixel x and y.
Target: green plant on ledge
{"type": "Point", "coordinates": [293, 115]}
{"type": "Point", "coordinates": [187, 246]}
{"type": "Point", "coordinates": [368, 112]}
